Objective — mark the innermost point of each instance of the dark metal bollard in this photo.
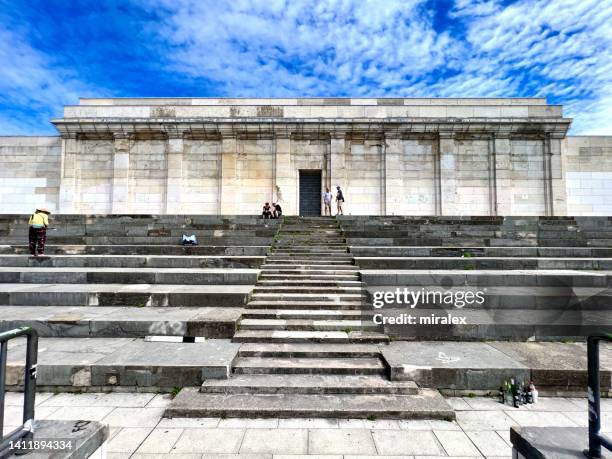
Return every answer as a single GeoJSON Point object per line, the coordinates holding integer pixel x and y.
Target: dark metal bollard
{"type": "Point", "coordinates": [596, 439]}
{"type": "Point", "coordinates": [25, 432]}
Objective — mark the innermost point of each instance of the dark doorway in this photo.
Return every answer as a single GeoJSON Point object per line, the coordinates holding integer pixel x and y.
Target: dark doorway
{"type": "Point", "coordinates": [310, 192]}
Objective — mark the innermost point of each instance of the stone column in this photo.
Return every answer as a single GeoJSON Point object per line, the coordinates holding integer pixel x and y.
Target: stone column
{"type": "Point", "coordinates": [492, 177]}
{"type": "Point", "coordinates": [557, 177]}
{"type": "Point", "coordinates": [121, 173]}
{"type": "Point", "coordinates": [448, 176]}
{"type": "Point", "coordinates": [68, 195]}
{"type": "Point", "coordinates": [503, 174]}
{"type": "Point", "coordinates": [393, 182]}
{"type": "Point", "coordinates": [228, 179]}
{"type": "Point", "coordinates": [337, 153]}
{"type": "Point", "coordinates": [285, 184]}
{"type": "Point", "coordinates": [174, 183]}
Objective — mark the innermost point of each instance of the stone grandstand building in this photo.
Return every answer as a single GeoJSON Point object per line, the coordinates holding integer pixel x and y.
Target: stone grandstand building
{"type": "Point", "coordinates": [228, 156]}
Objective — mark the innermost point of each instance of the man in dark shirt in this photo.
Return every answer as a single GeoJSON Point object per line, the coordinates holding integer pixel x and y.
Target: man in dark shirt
{"type": "Point", "coordinates": [267, 211]}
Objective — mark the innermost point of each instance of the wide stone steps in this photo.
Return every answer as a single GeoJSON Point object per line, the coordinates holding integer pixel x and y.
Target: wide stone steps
{"type": "Point", "coordinates": [133, 261]}
{"type": "Point", "coordinates": [475, 252]}
{"type": "Point", "coordinates": [178, 276]}
{"type": "Point", "coordinates": [486, 263]}
{"type": "Point", "coordinates": [299, 365]}
{"type": "Point", "coordinates": [308, 384]}
{"type": "Point", "coordinates": [138, 295]}
{"type": "Point", "coordinates": [428, 404]}
{"type": "Point", "coordinates": [308, 324]}
{"type": "Point", "coordinates": [289, 336]}
{"type": "Point", "coordinates": [141, 249]}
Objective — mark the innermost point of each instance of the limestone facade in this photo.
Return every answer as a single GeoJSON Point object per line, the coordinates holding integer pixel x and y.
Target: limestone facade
{"type": "Point", "coordinates": [228, 156]}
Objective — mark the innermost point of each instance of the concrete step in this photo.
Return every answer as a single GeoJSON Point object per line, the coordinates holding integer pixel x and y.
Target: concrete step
{"type": "Point", "coordinates": [486, 263]}
{"type": "Point", "coordinates": [285, 336]}
{"type": "Point", "coordinates": [132, 261]}
{"type": "Point", "coordinates": [566, 297]}
{"type": "Point", "coordinates": [426, 405]}
{"type": "Point", "coordinates": [127, 364]}
{"type": "Point", "coordinates": [315, 261]}
{"type": "Point", "coordinates": [311, 314]}
{"type": "Point", "coordinates": [309, 350]}
{"type": "Point", "coordinates": [141, 249]}
{"type": "Point", "coordinates": [275, 303]}
{"type": "Point", "coordinates": [322, 277]}
{"type": "Point", "coordinates": [316, 384]}
{"type": "Point", "coordinates": [307, 289]}
{"type": "Point", "coordinates": [302, 324]}
{"type": "Point", "coordinates": [296, 248]}
{"type": "Point", "coordinates": [474, 252]}
{"type": "Point", "coordinates": [300, 297]}
{"type": "Point", "coordinates": [309, 282]}
{"type": "Point", "coordinates": [139, 295]}
{"type": "Point", "coordinates": [489, 278]}
{"type": "Point", "coordinates": [121, 322]}
{"type": "Point", "coordinates": [289, 269]}
{"type": "Point", "coordinates": [302, 365]}
{"type": "Point", "coordinates": [178, 276]}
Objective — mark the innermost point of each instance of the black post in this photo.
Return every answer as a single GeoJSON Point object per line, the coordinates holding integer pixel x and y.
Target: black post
{"type": "Point", "coordinates": [3, 352]}
{"type": "Point", "coordinates": [29, 392]}
{"type": "Point", "coordinates": [593, 395]}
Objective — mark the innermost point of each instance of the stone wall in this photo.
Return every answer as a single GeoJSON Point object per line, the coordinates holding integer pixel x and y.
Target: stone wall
{"type": "Point", "coordinates": [392, 176]}
{"type": "Point", "coordinates": [29, 173]}
{"type": "Point", "coordinates": [588, 171]}
{"type": "Point", "coordinates": [393, 156]}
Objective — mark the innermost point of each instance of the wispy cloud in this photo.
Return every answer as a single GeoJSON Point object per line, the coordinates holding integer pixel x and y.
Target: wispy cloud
{"type": "Point", "coordinates": [559, 49]}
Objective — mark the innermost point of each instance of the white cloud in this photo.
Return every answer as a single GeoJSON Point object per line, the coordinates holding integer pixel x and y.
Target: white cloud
{"type": "Point", "coordinates": [32, 86]}
{"type": "Point", "coordinates": [554, 48]}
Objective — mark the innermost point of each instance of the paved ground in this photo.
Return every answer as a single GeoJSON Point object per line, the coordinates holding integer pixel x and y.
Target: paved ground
{"type": "Point", "coordinates": [137, 429]}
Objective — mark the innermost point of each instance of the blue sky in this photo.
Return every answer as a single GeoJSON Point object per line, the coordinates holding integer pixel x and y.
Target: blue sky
{"type": "Point", "coordinates": [52, 52]}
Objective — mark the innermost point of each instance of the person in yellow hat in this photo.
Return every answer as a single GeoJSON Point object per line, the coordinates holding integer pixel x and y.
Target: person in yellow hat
{"type": "Point", "coordinates": [39, 222]}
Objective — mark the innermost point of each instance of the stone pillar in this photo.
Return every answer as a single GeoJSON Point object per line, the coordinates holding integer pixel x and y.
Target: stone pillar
{"type": "Point", "coordinates": [121, 174]}
{"type": "Point", "coordinates": [503, 174]}
{"type": "Point", "coordinates": [448, 176]}
{"type": "Point", "coordinates": [174, 183]}
{"type": "Point", "coordinates": [285, 184]}
{"type": "Point", "coordinates": [229, 193]}
{"type": "Point", "coordinates": [557, 177]}
{"type": "Point", "coordinates": [393, 182]}
{"type": "Point", "coordinates": [68, 195]}
{"type": "Point", "coordinates": [338, 173]}
{"type": "Point", "coordinates": [492, 177]}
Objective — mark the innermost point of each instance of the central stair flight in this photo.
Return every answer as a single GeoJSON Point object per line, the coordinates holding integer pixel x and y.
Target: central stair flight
{"type": "Point", "coordinates": [311, 348]}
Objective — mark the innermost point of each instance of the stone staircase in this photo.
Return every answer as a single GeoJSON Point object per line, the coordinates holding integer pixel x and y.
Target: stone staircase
{"type": "Point", "coordinates": [310, 345]}
{"type": "Point", "coordinates": [309, 290]}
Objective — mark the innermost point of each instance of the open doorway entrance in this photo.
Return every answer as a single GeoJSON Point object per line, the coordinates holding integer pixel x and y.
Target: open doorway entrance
{"type": "Point", "coordinates": [310, 192]}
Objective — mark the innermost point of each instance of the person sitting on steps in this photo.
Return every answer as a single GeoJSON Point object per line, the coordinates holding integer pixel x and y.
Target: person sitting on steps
{"type": "Point", "coordinates": [267, 211]}
{"type": "Point", "coordinates": [277, 211]}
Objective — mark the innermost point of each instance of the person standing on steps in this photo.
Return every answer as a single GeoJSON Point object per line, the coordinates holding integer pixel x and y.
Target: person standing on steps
{"type": "Point", "coordinates": [339, 200]}
{"type": "Point", "coordinates": [327, 200]}
{"type": "Point", "coordinates": [37, 234]}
